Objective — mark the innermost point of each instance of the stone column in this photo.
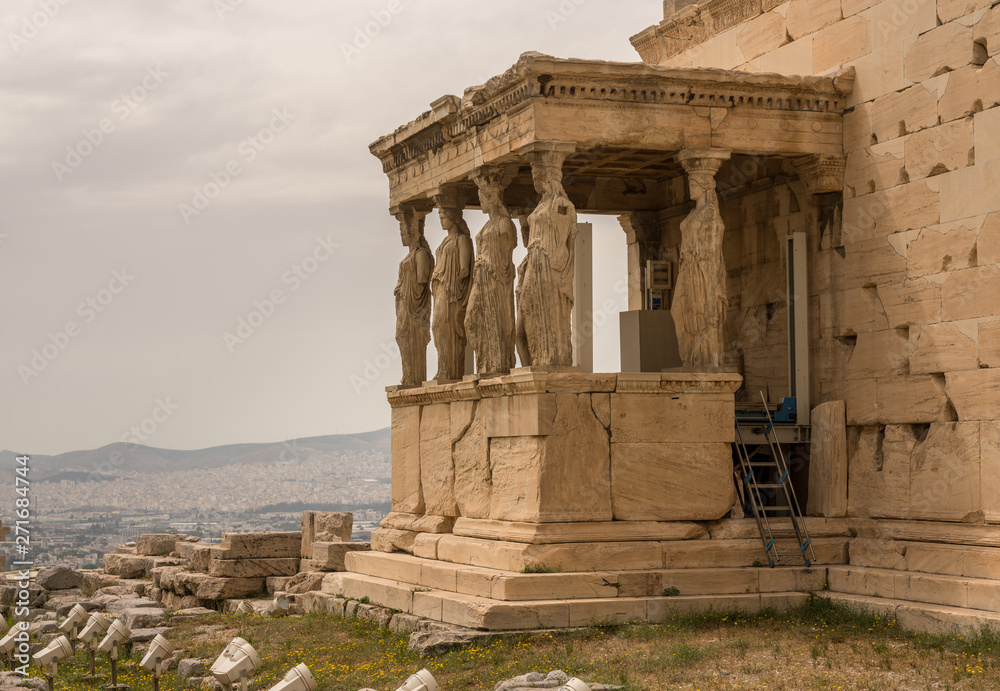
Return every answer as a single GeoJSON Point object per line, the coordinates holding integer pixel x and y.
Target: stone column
{"type": "Point", "coordinates": [490, 319]}
{"type": "Point", "coordinates": [546, 300]}
{"type": "Point", "coordinates": [450, 286]}
{"type": "Point", "coordinates": [644, 236]}
{"type": "Point", "coordinates": [413, 295]}
{"type": "Point", "coordinates": [699, 304]}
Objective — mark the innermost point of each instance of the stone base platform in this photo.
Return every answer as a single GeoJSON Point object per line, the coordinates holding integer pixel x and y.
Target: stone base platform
{"type": "Point", "coordinates": [627, 583]}
{"type": "Point", "coordinates": [486, 613]}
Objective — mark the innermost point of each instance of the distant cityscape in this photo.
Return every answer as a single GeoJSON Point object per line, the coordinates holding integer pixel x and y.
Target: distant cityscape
{"type": "Point", "coordinates": [75, 522]}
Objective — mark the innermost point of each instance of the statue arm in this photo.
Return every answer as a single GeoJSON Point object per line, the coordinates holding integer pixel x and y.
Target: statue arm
{"type": "Point", "coordinates": [425, 266]}
{"type": "Point", "coordinates": [465, 257]}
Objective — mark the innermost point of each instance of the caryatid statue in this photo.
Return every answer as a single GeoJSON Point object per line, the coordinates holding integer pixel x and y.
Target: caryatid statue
{"type": "Point", "coordinates": [413, 297]}
{"type": "Point", "coordinates": [451, 285]}
{"type": "Point", "coordinates": [546, 295]}
{"type": "Point", "coordinates": [699, 303]}
{"type": "Point", "coordinates": [489, 322]}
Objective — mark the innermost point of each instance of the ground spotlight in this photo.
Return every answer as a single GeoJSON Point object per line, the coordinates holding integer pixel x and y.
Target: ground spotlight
{"type": "Point", "coordinates": [421, 681]}
{"type": "Point", "coordinates": [49, 657]}
{"type": "Point", "coordinates": [74, 620]}
{"type": "Point", "coordinates": [299, 678]}
{"type": "Point", "coordinates": [159, 649]}
{"type": "Point", "coordinates": [575, 684]}
{"type": "Point", "coordinates": [236, 663]}
{"type": "Point", "coordinates": [97, 626]}
{"type": "Point", "coordinates": [277, 607]}
{"type": "Point", "coordinates": [244, 608]}
{"type": "Point", "coordinates": [118, 634]}
{"type": "Point", "coordinates": [7, 645]}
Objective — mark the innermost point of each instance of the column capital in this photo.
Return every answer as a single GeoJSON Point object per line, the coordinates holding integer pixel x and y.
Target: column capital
{"type": "Point", "coordinates": [547, 146]}
{"type": "Point", "coordinates": [447, 197]}
{"type": "Point", "coordinates": [417, 209]}
{"type": "Point", "coordinates": [822, 173]}
{"type": "Point", "coordinates": [492, 175]}
{"type": "Point", "coordinates": [707, 161]}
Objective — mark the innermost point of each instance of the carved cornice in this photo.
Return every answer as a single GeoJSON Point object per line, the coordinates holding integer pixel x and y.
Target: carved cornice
{"type": "Point", "coordinates": [679, 382]}
{"type": "Point", "coordinates": [822, 173]}
{"type": "Point", "coordinates": [694, 25]}
{"type": "Point", "coordinates": [591, 83]}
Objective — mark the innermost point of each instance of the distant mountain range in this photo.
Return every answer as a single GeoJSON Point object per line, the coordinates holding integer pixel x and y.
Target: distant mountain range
{"type": "Point", "coordinates": [98, 464]}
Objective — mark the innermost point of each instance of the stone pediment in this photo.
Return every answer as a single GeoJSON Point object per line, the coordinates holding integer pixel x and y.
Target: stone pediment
{"type": "Point", "coordinates": [625, 120]}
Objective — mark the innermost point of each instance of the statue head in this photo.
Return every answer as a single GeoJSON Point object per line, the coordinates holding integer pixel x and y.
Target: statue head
{"type": "Point", "coordinates": [453, 219]}
{"type": "Point", "coordinates": [492, 181]}
{"type": "Point", "coordinates": [702, 187]}
{"type": "Point", "coordinates": [547, 172]}
{"type": "Point", "coordinates": [411, 226]}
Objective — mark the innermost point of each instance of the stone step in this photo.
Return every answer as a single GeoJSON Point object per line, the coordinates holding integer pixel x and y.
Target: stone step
{"type": "Point", "coordinates": [921, 617]}
{"type": "Point", "coordinates": [494, 615]}
{"type": "Point", "coordinates": [510, 586]}
{"type": "Point", "coordinates": [624, 556]}
{"type": "Point", "coordinates": [950, 591]}
{"type": "Point", "coordinates": [926, 557]}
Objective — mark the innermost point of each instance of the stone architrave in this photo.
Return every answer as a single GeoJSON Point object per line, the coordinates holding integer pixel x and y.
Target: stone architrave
{"type": "Point", "coordinates": [699, 304]}
{"type": "Point", "coordinates": [490, 321]}
{"type": "Point", "coordinates": [450, 286]}
{"type": "Point", "coordinates": [546, 298]}
{"type": "Point", "coordinates": [413, 297]}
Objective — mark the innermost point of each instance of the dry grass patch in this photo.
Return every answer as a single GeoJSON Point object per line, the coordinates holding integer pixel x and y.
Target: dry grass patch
{"type": "Point", "coordinates": [820, 646]}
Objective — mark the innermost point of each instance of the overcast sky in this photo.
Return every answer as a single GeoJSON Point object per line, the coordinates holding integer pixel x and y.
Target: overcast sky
{"type": "Point", "coordinates": [120, 278]}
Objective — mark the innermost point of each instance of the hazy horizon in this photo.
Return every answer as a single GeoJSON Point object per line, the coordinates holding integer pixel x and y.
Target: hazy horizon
{"type": "Point", "coordinates": [169, 167]}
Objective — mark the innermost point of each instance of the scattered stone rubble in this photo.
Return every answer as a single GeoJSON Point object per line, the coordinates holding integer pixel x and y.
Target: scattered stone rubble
{"type": "Point", "coordinates": [178, 571]}
{"type": "Point", "coordinates": [163, 580]}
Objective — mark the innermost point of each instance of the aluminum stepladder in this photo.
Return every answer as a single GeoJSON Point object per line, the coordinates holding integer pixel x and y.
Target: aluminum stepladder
{"type": "Point", "coordinates": [752, 463]}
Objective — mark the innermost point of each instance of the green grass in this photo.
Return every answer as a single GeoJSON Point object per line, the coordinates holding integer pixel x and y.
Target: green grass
{"type": "Point", "coordinates": [818, 646]}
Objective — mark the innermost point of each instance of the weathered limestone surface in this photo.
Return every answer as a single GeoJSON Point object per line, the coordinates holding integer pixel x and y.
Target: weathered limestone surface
{"type": "Point", "coordinates": [437, 469]}
{"type": "Point", "coordinates": [828, 462]}
{"type": "Point", "coordinates": [419, 523]}
{"type": "Point", "coordinates": [393, 540]}
{"type": "Point", "coordinates": [260, 545]}
{"type": "Point", "coordinates": [562, 477]}
{"type": "Point", "coordinates": [471, 457]}
{"type": "Point", "coordinates": [589, 531]}
{"type": "Point", "coordinates": [325, 526]}
{"type": "Point", "coordinates": [679, 418]}
{"type": "Point", "coordinates": [407, 496]}
{"type": "Point", "coordinates": [671, 482]}
{"type": "Point", "coordinates": [330, 556]}
{"type": "Point", "coordinates": [156, 545]}
{"type": "Point", "coordinates": [253, 568]}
